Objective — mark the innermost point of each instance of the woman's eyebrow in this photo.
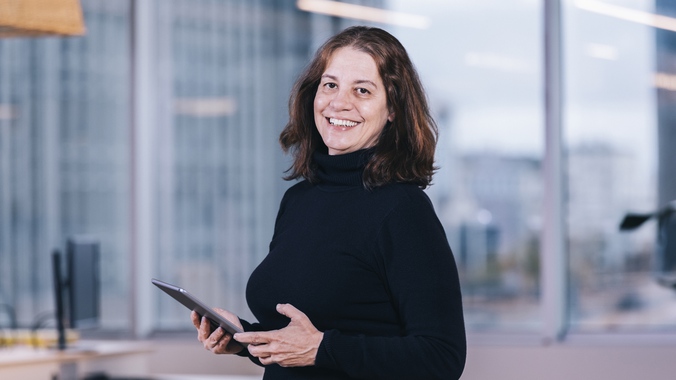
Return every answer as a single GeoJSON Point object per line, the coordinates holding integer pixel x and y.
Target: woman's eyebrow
{"type": "Point", "coordinates": [362, 81]}
{"type": "Point", "coordinates": [358, 81]}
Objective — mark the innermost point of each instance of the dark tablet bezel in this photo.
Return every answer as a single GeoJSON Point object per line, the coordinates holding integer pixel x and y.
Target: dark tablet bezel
{"type": "Point", "coordinates": [192, 303]}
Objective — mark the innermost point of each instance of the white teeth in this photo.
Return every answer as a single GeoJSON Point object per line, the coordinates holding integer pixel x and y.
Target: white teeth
{"type": "Point", "coordinates": [342, 123]}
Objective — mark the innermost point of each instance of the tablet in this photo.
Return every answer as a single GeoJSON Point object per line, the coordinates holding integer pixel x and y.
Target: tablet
{"type": "Point", "coordinates": [192, 303]}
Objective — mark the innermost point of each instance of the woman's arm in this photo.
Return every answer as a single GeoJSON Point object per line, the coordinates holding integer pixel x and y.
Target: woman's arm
{"type": "Point", "coordinates": [418, 266]}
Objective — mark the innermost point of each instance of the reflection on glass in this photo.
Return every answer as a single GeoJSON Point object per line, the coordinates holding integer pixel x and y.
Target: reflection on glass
{"type": "Point", "coordinates": [64, 167]}
{"type": "Point", "coordinates": [227, 68]}
{"type": "Point", "coordinates": [480, 62]}
{"type": "Point", "coordinates": [225, 87]}
{"type": "Point", "coordinates": [224, 72]}
{"type": "Point", "coordinates": [611, 143]}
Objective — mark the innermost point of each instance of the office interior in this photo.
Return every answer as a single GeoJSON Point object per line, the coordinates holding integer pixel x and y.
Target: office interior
{"type": "Point", "coordinates": [155, 133]}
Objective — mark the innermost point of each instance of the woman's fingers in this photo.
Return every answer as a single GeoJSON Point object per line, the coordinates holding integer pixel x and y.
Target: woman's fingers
{"type": "Point", "coordinates": [290, 311]}
{"type": "Point", "coordinates": [229, 316]}
{"type": "Point", "coordinates": [195, 318]}
{"type": "Point", "coordinates": [256, 338]}
{"type": "Point", "coordinates": [224, 347]}
{"type": "Point", "coordinates": [217, 341]}
{"type": "Point", "coordinates": [214, 339]}
{"type": "Point", "coordinates": [292, 346]}
{"type": "Point", "coordinates": [266, 361]}
{"type": "Point", "coordinates": [204, 330]}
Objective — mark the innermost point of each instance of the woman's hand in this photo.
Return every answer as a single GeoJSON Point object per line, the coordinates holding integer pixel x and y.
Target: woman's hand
{"type": "Point", "coordinates": [293, 346]}
{"type": "Point", "coordinates": [218, 341]}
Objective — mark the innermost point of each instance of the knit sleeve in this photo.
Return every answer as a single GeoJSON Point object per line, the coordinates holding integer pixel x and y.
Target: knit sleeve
{"type": "Point", "coordinates": [247, 326]}
{"type": "Point", "coordinates": [418, 266]}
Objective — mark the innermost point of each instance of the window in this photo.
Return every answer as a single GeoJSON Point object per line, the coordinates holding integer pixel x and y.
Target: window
{"type": "Point", "coordinates": [616, 139]}
{"type": "Point", "coordinates": [485, 92]}
{"type": "Point", "coordinates": [157, 132]}
{"type": "Point", "coordinates": [64, 159]}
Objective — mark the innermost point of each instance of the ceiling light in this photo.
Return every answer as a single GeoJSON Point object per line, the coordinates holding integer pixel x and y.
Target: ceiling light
{"type": "Point", "coordinates": [628, 14]}
{"type": "Point", "coordinates": [35, 18]}
{"type": "Point", "coordinates": [364, 13]}
{"type": "Point", "coordinates": [8, 112]}
{"type": "Point", "coordinates": [205, 107]}
{"type": "Point", "coordinates": [601, 51]}
{"type": "Point", "coordinates": [496, 61]}
{"type": "Point", "coordinates": [665, 81]}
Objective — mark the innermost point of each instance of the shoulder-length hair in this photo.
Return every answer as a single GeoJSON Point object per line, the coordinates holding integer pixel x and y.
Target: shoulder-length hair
{"type": "Point", "coordinates": [404, 151]}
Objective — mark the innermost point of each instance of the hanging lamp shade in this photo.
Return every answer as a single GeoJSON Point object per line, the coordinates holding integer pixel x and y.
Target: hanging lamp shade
{"type": "Point", "coordinates": [36, 18]}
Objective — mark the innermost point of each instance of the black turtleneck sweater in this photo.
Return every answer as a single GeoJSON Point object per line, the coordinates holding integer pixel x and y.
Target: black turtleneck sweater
{"type": "Point", "coordinates": [372, 269]}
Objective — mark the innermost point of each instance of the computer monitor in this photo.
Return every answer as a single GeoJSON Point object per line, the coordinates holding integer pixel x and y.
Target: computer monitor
{"type": "Point", "coordinates": [77, 291]}
{"type": "Point", "coordinates": [665, 248]}
{"type": "Point", "coordinates": [82, 256]}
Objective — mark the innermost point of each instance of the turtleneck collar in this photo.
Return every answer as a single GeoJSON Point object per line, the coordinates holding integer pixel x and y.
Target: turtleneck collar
{"type": "Point", "coordinates": [343, 169]}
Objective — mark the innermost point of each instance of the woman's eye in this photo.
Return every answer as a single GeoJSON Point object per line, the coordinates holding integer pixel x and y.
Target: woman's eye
{"type": "Point", "coordinates": [330, 85]}
{"type": "Point", "coordinates": [362, 91]}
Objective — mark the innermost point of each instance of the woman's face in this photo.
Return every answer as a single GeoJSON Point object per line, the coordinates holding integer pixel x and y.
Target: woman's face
{"type": "Point", "coordinates": [350, 106]}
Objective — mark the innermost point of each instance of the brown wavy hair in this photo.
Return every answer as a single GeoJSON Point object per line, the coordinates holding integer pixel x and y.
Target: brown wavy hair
{"type": "Point", "coordinates": [404, 151]}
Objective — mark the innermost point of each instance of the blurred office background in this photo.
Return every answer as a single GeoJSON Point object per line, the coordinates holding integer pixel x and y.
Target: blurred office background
{"type": "Point", "coordinates": [157, 133]}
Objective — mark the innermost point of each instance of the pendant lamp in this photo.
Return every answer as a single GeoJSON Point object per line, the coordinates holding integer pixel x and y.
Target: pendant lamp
{"type": "Point", "coordinates": [39, 18]}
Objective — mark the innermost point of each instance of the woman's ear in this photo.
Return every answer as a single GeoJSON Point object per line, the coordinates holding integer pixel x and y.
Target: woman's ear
{"type": "Point", "coordinates": [390, 117]}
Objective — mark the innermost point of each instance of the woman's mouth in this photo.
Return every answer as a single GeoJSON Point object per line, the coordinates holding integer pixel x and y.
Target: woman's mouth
{"type": "Point", "coordinates": [341, 122]}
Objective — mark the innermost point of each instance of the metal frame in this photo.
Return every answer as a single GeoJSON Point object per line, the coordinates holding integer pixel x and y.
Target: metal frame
{"type": "Point", "coordinates": [554, 264]}
{"type": "Point", "coordinates": [143, 129]}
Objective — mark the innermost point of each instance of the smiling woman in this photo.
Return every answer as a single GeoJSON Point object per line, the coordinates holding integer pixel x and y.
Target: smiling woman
{"type": "Point", "coordinates": [360, 281]}
{"type": "Point", "coordinates": [355, 69]}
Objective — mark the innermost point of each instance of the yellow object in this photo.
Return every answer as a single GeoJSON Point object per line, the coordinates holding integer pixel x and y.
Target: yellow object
{"type": "Point", "coordinates": [41, 338]}
{"type": "Point", "coordinates": [35, 18]}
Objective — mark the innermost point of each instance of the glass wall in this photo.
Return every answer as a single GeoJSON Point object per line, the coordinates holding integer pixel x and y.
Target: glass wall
{"type": "Point", "coordinates": [220, 165]}
{"type": "Point", "coordinates": [64, 159]}
{"type": "Point", "coordinates": [225, 69]}
{"type": "Point", "coordinates": [616, 138]}
{"type": "Point", "coordinates": [486, 93]}
{"type": "Point", "coordinates": [221, 73]}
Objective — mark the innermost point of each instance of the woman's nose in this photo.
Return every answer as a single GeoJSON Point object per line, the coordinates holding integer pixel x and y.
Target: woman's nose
{"type": "Point", "coordinates": [341, 101]}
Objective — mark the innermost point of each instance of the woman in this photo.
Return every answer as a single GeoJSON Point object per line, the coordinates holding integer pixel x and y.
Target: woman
{"type": "Point", "coordinates": [360, 282]}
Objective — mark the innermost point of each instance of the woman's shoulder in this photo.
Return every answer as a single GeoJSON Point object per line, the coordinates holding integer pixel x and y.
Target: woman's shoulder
{"type": "Point", "coordinates": [295, 190]}
{"type": "Point", "coordinates": [403, 192]}
{"type": "Point", "coordinates": [397, 199]}
{"type": "Point", "coordinates": [299, 186]}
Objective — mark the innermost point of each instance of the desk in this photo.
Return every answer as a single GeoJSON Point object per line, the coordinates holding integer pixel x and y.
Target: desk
{"type": "Point", "coordinates": [115, 358]}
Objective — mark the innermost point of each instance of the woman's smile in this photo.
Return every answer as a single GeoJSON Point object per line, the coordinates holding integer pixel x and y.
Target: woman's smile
{"type": "Point", "coordinates": [342, 123]}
